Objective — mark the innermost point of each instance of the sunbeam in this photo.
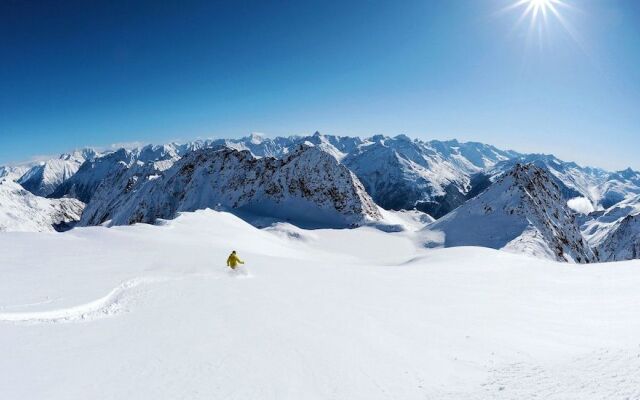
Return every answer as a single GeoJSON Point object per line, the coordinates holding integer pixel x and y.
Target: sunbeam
{"type": "Point", "coordinates": [541, 13]}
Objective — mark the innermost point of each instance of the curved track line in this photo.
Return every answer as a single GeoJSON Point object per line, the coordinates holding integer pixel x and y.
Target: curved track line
{"type": "Point", "coordinates": [111, 304]}
{"type": "Point", "coordinates": [37, 303]}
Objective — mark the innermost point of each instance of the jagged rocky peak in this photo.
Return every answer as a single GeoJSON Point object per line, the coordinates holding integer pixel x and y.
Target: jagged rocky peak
{"type": "Point", "coordinates": [307, 186]}
{"type": "Point", "coordinates": [524, 211]}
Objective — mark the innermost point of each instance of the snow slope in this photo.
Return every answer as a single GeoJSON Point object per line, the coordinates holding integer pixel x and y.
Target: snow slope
{"type": "Point", "coordinates": [523, 212]}
{"type": "Point", "coordinates": [149, 312]}
{"type": "Point", "coordinates": [24, 212]}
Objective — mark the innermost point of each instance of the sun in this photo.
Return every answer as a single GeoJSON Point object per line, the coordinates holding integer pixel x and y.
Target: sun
{"type": "Point", "coordinates": [539, 10]}
{"type": "Point", "coordinates": [541, 15]}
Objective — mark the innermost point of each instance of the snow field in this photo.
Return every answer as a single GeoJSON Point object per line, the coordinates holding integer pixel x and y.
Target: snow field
{"type": "Point", "coordinates": [150, 312]}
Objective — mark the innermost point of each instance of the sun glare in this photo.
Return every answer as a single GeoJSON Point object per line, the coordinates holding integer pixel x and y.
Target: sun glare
{"type": "Point", "coordinates": [538, 10]}
{"type": "Point", "coordinates": [541, 13]}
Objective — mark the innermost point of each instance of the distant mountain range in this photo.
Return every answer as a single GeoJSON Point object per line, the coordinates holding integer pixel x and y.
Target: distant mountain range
{"type": "Point", "coordinates": [339, 181]}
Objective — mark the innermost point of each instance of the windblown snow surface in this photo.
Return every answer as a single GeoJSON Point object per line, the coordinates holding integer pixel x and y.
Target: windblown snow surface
{"type": "Point", "coordinates": [151, 312]}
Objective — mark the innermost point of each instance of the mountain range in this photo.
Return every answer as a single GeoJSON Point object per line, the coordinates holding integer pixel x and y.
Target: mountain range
{"type": "Point", "coordinates": [479, 194]}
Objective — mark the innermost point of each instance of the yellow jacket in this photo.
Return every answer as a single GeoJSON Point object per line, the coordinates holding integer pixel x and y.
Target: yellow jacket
{"type": "Point", "coordinates": [233, 260]}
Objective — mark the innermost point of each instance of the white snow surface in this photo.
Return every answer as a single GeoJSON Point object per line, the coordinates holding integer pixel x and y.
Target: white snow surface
{"type": "Point", "coordinates": [151, 312]}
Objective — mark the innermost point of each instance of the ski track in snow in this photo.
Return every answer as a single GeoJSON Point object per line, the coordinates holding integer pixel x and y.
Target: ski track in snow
{"type": "Point", "coordinates": [112, 304]}
{"type": "Point", "coordinates": [37, 303]}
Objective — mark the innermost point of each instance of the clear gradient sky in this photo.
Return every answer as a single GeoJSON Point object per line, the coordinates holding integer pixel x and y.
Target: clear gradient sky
{"type": "Point", "coordinates": [76, 73]}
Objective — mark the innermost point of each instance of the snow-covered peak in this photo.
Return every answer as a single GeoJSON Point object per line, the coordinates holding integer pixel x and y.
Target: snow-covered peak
{"type": "Point", "coordinates": [45, 177]}
{"type": "Point", "coordinates": [90, 174]}
{"type": "Point", "coordinates": [622, 241]}
{"type": "Point", "coordinates": [627, 175]}
{"type": "Point", "coordinates": [599, 228]}
{"type": "Point", "coordinates": [152, 153]}
{"type": "Point", "coordinates": [308, 186]}
{"type": "Point", "coordinates": [524, 211]}
{"type": "Point", "coordinates": [14, 172]}
{"type": "Point", "coordinates": [405, 174]}
{"type": "Point", "coordinates": [81, 155]}
{"type": "Point", "coordinates": [574, 180]}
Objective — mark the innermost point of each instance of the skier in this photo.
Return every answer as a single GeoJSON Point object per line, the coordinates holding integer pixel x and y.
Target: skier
{"type": "Point", "coordinates": [233, 260]}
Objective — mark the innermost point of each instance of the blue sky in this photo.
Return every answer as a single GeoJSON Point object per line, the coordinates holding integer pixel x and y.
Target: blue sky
{"type": "Point", "coordinates": [79, 73]}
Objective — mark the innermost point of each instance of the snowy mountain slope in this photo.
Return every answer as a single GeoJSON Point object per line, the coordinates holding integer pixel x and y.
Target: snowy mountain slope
{"type": "Point", "coordinates": [157, 153]}
{"type": "Point", "coordinates": [597, 225]}
{"type": "Point", "coordinates": [306, 186]}
{"type": "Point", "coordinates": [453, 168]}
{"type": "Point", "coordinates": [446, 173]}
{"type": "Point", "coordinates": [150, 312]}
{"type": "Point", "coordinates": [44, 178]}
{"type": "Point", "coordinates": [573, 180]}
{"type": "Point", "coordinates": [471, 157]}
{"type": "Point", "coordinates": [22, 211]}
{"type": "Point", "coordinates": [603, 189]}
{"type": "Point", "coordinates": [13, 172]}
{"type": "Point", "coordinates": [90, 175]}
{"type": "Point", "coordinates": [619, 186]}
{"type": "Point", "coordinates": [614, 233]}
{"type": "Point", "coordinates": [523, 211]}
{"type": "Point", "coordinates": [623, 241]}
{"type": "Point", "coordinates": [115, 190]}
{"type": "Point", "coordinates": [258, 145]}
{"type": "Point", "coordinates": [94, 172]}
{"type": "Point", "coordinates": [399, 173]}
